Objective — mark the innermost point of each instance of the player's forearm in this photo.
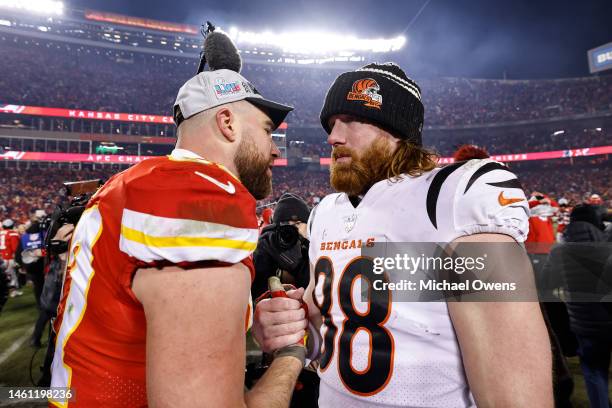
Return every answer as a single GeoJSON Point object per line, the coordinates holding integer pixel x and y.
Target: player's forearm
{"type": "Point", "coordinates": [534, 376]}
{"type": "Point", "coordinates": [527, 385]}
{"type": "Point", "coordinates": [275, 388]}
{"type": "Point", "coordinates": [506, 353]}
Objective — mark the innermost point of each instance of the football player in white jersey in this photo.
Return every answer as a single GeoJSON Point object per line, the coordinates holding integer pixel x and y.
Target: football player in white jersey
{"type": "Point", "coordinates": [384, 353]}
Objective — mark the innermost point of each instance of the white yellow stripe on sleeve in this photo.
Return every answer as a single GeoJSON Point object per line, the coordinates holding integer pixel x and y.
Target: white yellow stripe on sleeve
{"type": "Point", "coordinates": [150, 238]}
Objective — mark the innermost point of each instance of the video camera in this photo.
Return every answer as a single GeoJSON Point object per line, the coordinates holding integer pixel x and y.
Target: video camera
{"type": "Point", "coordinates": [285, 236]}
{"type": "Point", "coordinates": [80, 193]}
{"type": "Point", "coordinates": [280, 248]}
{"type": "Point", "coordinates": [285, 245]}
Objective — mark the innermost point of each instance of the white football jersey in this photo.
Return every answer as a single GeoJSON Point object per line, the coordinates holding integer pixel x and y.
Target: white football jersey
{"type": "Point", "coordinates": [382, 353]}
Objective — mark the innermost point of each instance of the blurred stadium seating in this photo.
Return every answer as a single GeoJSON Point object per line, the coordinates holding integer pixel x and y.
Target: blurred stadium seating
{"type": "Point", "coordinates": [78, 63]}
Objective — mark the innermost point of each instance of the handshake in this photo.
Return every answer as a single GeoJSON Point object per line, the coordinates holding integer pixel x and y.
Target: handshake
{"type": "Point", "coordinates": [281, 326]}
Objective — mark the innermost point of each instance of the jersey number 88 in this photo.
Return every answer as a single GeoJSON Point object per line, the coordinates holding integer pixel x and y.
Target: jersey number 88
{"type": "Point", "coordinates": [377, 374]}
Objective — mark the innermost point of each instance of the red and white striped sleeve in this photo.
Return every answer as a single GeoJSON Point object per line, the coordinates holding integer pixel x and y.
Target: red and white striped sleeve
{"type": "Point", "coordinates": [188, 212]}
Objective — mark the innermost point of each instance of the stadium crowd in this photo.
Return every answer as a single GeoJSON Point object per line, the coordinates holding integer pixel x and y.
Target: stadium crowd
{"type": "Point", "coordinates": [38, 188]}
{"type": "Point", "coordinates": [86, 77]}
{"type": "Point", "coordinates": [520, 141]}
{"type": "Point", "coordinates": [510, 141]}
{"type": "Point", "coordinates": [104, 80]}
{"type": "Point", "coordinates": [22, 189]}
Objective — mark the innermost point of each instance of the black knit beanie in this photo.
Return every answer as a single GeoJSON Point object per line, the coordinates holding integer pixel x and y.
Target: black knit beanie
{"type": "Point", "coordinates": [290, 207]}
{"type": "Point", "coordinates": [380, 93]}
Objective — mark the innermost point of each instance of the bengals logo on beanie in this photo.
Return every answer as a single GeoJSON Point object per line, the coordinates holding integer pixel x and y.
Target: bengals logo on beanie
{"type": "Point", "coordinates": [366, 90]}
{"type": "Point", "coordinates": [380, 93]}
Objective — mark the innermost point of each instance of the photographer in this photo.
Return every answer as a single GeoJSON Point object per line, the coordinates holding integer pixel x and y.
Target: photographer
{"type": "Point", "coordinates": [51, 294]}
{"type": "Point", "coordinates": [56, 234]}
{"type": "Point", "coordinates": [282, 248]}
{"type": "Point", "coordinates": [29, 253]}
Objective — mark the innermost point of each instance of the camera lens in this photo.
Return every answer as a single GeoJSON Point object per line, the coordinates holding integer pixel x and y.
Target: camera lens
{"type": "Point", "coordinates": [287, 236]}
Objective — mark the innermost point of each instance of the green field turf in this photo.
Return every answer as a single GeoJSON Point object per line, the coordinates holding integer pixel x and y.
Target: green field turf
{"type": "Point", "coordinates": [17, 321]}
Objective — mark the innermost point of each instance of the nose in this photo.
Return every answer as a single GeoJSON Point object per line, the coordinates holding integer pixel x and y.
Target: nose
{"type": "Point", "coordinates": [275, 151]}
{"type": "Point", "coordinates": [338, 134]}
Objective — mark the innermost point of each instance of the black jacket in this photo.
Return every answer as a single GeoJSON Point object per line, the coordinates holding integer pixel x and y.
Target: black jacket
{"type": "Point", "coordinates": [52, 289]}
{"type": "Point", "coordinates": [268, 258]}
{"type": "Point", "coordinates": [584, 262]}
{"type": "Point", "coordinates": [266, 266]}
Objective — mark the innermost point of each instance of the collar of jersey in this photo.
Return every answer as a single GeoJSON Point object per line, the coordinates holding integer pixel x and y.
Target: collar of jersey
{"type": "Point", "coordinates": [188, 155]}
{"type": "Point", "coordinates": [372, 195]}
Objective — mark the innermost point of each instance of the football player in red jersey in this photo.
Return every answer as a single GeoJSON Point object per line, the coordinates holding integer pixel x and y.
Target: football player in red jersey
{"type": "Point", "coordinates": [381, 352]}
{"type": "Point", "coordinates": [156, 299]}
{"type": "Point", "coordinates": [9, 241]}
{"type": "Point", "coordinates": [541, 232]}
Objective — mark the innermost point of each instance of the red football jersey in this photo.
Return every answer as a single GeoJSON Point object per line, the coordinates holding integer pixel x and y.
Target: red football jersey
{"type": "Point", "coordinates": [541, 235]}
{"type": "Point", "coordinates": [9, 241]}
{"type": "Point", "coordinates": [176, 210]}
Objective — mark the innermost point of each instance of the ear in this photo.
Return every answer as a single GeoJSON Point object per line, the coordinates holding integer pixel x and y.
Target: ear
{"type": "Point", "coordinates": [226, 122]}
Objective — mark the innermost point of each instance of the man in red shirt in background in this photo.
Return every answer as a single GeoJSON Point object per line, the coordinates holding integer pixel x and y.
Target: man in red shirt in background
{"type": "Point", "coordinates": [541, 231]}
{"type": "Point", "coordinates": [541, 235]}
{"type": "Point", "coordinates": [9, 240]}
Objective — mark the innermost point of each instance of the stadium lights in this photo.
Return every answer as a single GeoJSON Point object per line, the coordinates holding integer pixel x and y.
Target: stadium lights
{"type": "Point", "coordinates": [47, 7]}
{"type": "Point", "coordinates": [316, 42]}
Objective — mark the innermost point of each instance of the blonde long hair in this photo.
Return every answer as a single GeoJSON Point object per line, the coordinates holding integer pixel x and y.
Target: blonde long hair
{"type": "Point", "coordinates": [411, 159]}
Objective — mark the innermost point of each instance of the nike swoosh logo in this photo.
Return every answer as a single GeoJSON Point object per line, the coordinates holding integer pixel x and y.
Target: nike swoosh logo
{"type": "Point", "coordinates": [503, 201]}
{"type": "Point", "coordinates": [229, 187]}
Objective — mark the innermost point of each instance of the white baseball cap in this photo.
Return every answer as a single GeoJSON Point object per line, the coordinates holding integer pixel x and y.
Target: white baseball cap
{"type": "Point", "coordinates": [210, 89]}
{"type": "Point", "coordinates": [8, 223]}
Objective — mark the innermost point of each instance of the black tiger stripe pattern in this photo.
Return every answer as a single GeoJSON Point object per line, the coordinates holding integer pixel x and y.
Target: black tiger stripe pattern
{"type": "Point", "coordinates": [436, 184]}
{"type": "Point", "coordinates": [434, 190]}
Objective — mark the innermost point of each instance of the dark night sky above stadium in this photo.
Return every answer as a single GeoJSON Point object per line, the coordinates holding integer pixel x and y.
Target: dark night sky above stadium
{"type": "Point", "coordinates": [469, 38]}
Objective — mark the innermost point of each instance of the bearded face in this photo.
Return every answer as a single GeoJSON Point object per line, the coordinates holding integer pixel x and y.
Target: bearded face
{"type": "Point", "coordinates": [354, 174]}
{"type": "Point", "coordinates": [254, 168]}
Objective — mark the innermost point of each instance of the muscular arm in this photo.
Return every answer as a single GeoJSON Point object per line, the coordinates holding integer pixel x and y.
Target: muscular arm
{"type": "Point", "coordinates": [504, 346]}
{"type": "Point", "coordinates": [196, 340]}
